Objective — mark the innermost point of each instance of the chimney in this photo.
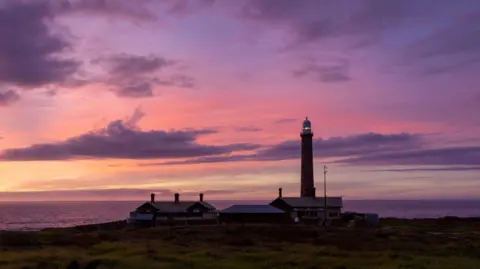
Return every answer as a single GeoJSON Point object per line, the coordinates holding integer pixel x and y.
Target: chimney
{"type": "Point", "coordinates": [152, 198]}
{"type": "Point", "coordinates": [280, 192]}
{"type": "Point", "coordinates": [201, 197]}
{"type": "Point", "coordinates": [177, 198]}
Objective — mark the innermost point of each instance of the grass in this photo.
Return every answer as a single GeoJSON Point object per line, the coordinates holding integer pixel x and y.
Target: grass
{"type": "Point", "coordinates": [395, 245]}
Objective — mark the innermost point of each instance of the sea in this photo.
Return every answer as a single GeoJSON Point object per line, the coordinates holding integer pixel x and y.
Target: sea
{"type": "Point", "coordinates": [38, 215]}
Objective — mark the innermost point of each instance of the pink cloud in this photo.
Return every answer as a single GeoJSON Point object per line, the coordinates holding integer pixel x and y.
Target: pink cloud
{"type": "Point", "coordinates": [242, 84]}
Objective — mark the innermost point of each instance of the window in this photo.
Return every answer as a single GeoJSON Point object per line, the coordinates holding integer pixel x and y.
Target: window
{"type": "Point", "coordinates": [333, 214]}
{"type": "Point", "coordinates": [196, 210]}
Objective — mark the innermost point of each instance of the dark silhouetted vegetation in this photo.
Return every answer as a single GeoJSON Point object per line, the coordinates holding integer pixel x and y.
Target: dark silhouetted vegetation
{"type": "Point", "coordinates": [440, 244]}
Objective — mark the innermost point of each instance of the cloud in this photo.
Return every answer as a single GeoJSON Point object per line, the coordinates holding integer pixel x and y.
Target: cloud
{"type": "Point", "coordinates": [51, 92]}
{"type": "Point", "coordinates": [137, 115]}
{"type": "Point", "coordinates": [422, 169]}
{"type": "Point", "coordinates": [122, 65]}
{"type": "Point", "coordinates": [462, 35]}
{"type": "Point", "coordinates": [453, 47]}
{"type": "Point", "coordinates": [178, 80]}
{"type": "Point", "coordinates": [362, 144]}
{"type": "Point", "coordinates": [29, 51]}
{"type": "Point", "coordinates": [429, 70]}
{"type": "Point", "coordinates": [343, 146]}
{"type": "Point", "coordinates": [448, 37]}
{"type": "Point", "coordinates": [212, 159]}
{"type": "Point", "coordinates": [8, 97]}
{"type": "Point", "coordinates": [337, 72]}
{"type": "Point", "coordinates": [142, 89]}
{"type": "Point", "coordinates": [285, 120]}
{"type": "Point", "coordinates": [248, 129]}
{"type": "Point", "coordinates": [310, 21]}
{"type": "Point", "coordinates": [138, 10]}
{"type": "Point", "coordinates": [136, 76]}
{"type": "Point", "coordinates": [435, 156]}
{"type": "Point", "coordinates": [104, 194]}
{"type": "Point", "coordinates": [121, 139]}
{"type": "Point", "coordinates": [183, 7]}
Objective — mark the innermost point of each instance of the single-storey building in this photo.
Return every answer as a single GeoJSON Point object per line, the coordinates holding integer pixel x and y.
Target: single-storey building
{"type": "Point", "coordinates": [253, 214]}
{"type": "Point", "coordinates": [309, 208]}
{"type": "Point", "coordinates": [175, 210]}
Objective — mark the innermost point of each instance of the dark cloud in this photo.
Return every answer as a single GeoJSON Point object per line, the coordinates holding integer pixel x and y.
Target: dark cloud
{"type": "Point", "coordinates": [8, 97]}
{"type": "Point", "coordinates": [208, 192]}
{"type": "Point", "coordinates": [286, 120]}
{"type": "Point", "coordinates": [337, 72]}
{"type": "Point", "coordinates": [454, 44]}
{"type": "Point", "coordinates": [133, 76]}
{"type": "Point", "coordinates": [143, 89]}
{"type": "Point", "coordinates": [279, 11]}
{"type": "Point", "coordinates": [183, 7]}
{"type": "Point", "coordinates": [436, 156]}
{"type": "Point", "coordinates": [453, 47]}
{"type": "Point", "coordinates": [212, 159]}
{"type": "Point", "coordinates": [183, 81]}
{"type": "Point", "coordinates": [29, 51]}
{"type": "Point", "coordinates": [138, 10]}
{"type": "Point", "coordinates": [363, 144]}
{"type": "Point", "coordinates": [461, 36]}
{"type": "Point", "coordinates": [103, 194]}
{"type": "Point", "coordinates": [136, 76]}
{"type": "Point", "coordinates": [124, 65]}
{"type": "Point", "coordinates": [422, 169]}
{"type": "Point", "coordinates": [447, 40]}
{"type": "Point", "coordinates": [123, 140]}
{"type": "Point", "coordinates": [314, 20]}
{"type": "Point", "coordinates": [248, 129]}
{"type": "Point", "coordinates": [343, 146]}
{"type": "Point", "coordinates": [366, 149]}
{"type": "Point", "coordinates": [429, 70]}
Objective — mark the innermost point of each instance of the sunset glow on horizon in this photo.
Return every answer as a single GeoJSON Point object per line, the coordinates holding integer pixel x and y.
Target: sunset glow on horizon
{"type": "Point", "coordinates": [112, 100]}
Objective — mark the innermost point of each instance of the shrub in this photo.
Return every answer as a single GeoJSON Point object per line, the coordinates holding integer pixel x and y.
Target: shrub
{"type": "Point", "coordinates": [19, 239]}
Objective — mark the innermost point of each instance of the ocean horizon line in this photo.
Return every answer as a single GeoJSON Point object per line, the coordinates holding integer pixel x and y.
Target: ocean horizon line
{"type": "Point", "coordinates": [251, 200]}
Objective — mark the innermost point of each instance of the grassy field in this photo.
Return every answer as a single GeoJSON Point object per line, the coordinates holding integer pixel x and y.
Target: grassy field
{"type": "Point", "coordinates": [396, 244]}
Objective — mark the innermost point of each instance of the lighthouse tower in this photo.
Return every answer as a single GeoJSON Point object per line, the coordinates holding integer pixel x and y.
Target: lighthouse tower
{"type": "Point", "coordinates": [307, 188]}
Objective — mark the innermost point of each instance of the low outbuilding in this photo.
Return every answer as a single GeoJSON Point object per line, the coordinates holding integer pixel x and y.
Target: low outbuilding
{"type": "Point", "coordinates": [253, 214]}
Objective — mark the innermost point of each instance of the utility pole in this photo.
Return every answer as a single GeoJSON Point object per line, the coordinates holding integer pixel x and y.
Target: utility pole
{"type": "Point", "coordinates": [325, 211]}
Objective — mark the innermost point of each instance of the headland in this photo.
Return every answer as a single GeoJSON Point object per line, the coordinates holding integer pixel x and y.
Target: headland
{"type": "Point", "coordinates": [395, 243]}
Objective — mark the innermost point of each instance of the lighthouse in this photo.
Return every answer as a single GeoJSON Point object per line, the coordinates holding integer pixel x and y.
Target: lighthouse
{"type": "Point", "coordinates": [307, 206]}
{"type": "Point", "coordinates": [307, 185]}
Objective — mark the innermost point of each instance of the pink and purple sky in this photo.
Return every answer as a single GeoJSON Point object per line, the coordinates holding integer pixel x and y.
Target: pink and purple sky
{"type": "Point", "coordinates": [111, 100]}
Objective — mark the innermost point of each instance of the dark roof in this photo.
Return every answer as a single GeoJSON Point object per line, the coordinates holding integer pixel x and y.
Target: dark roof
{"type": "Point", "coordinates": [256, 209]}
{"type": "Point", "coordinates": [181, 206]}
{"type": "Point", "coordinates": [312, 201]}
{"type": "Point", "coordinates": [207, 205]}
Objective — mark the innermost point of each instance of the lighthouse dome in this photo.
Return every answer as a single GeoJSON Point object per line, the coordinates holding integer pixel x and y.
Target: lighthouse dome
{"type": "Point", "coordinates": [307, 124]}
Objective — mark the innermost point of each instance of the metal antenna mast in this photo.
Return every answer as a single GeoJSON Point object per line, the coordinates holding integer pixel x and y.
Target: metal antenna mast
{"type": "Point", "coordinates": [325, 211]}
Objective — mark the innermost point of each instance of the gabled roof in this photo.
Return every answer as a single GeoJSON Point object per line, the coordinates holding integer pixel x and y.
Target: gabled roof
{"type": "Point", "coordinates": [207, 205]}
{"type": "Point", "coordinates": [255, 209]}
{"type": "Point", "coordinates": [312, 201]}
{"type": "Point", "coordinates": [170, 206]}
{"type": "Point", "coordinates": [181, 206]}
